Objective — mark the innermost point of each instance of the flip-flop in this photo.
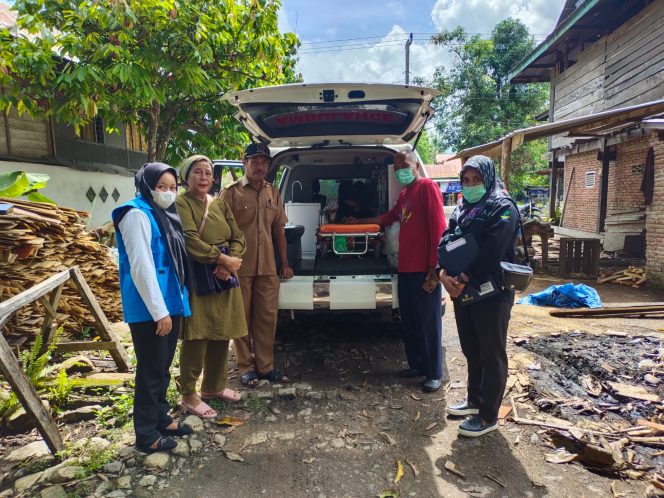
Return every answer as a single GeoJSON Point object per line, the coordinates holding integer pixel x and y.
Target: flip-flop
{"type": "Point", "coordinates": [249, 379]}
{"type": "Point", "coordinates": [200, 410]}
{"type": "Point", "coordinates": [225, 395]}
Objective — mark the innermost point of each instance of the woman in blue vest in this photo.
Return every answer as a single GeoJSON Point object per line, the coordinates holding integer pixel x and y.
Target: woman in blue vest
{"type": "Point", "coordinates": [153, 272]}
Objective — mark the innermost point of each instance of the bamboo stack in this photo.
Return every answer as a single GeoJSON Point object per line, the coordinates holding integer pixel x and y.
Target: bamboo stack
{"type": "Point", "coordinates": [38, 240]}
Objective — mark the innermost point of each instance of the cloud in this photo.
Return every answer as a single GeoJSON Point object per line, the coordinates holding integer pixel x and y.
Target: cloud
{"type": "Point", "coordinates": [380, 62]}
{"type": "Point", "coordinates": [479, 16]}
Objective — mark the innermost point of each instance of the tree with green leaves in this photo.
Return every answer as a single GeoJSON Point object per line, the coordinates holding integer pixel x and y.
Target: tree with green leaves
{"type": "Point", "coordinates": [164, 63]}
{"type": "Point", "coordinates": [426, 149]}
{"type": "Point", "coordinates": [478, 104]}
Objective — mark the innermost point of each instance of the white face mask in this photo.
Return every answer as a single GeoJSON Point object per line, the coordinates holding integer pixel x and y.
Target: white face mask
{"type": "Point", "coordinates": [163, 199]}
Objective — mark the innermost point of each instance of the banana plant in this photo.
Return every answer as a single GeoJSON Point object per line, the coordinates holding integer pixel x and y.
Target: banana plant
{"type": "Point", "coordinates": [22, 184]}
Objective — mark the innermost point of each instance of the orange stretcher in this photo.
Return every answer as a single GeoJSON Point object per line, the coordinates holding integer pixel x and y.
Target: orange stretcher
{"type": "Point", "coordinates": [350, 240]}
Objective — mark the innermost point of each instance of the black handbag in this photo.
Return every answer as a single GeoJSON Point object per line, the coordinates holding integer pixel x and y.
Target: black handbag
{"type": "Point", "coordinates": [205, 282]}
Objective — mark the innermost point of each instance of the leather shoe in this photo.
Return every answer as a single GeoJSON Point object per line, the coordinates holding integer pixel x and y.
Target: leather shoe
{"type": "Point", "coordinates": [407, 373]}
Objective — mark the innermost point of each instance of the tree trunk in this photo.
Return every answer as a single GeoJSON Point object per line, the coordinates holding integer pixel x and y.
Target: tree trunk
{"type": "Point", "coordinates": [152, 131]}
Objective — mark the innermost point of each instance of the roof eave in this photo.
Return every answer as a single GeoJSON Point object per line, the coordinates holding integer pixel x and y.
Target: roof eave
{"type": "Point", "coordinates": [553, 38]}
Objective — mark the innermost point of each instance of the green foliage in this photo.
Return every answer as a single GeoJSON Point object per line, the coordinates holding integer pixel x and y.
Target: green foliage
{"type": "Point", "coordinates": [477, 102]}
{"type": "Point", "coordinates": [92, 460]}
{"type": "Point", "coordinates": [119, 411]}
{"type": "Point", "coordinates": [426, 149]}
{"type": "Point", "coordinates": [19, 184]}
{"type": "Point", "coordinates": [63, 387]}
{"type": "Point", "coordinates": [526, 160]}
{"type": "Point", "coordinates": [163, 63]}
{"type": "Point", "coordinates": [34, 365]}
{"type": "Point", "coordinates": [256, 405]}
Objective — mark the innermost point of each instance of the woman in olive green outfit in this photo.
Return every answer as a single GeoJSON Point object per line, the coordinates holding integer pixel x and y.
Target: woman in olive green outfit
{"type": "Point", "coordinates": [215, 318]}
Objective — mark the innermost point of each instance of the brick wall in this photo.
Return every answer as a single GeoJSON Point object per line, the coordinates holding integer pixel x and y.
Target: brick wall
{"type": "Point", "coordinates": [655, 218]}
{"type": "Point", "coordinates": [625, 175]}
{"type": "Point", "coordinates": [582, 211]}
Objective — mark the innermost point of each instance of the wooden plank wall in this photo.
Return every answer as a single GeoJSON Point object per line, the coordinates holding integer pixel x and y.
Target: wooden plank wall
{"type": "Point", "coordinates": [28, 137]}
{"type": "Point", "coordinates": [623, 68]}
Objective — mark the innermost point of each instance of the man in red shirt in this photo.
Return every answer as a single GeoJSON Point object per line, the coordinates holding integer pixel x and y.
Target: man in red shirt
{"type": "Point", "coordinates": [419, 209]}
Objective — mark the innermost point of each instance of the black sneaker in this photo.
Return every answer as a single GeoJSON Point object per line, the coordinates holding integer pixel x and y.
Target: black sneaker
{"type": "Point", "coordinates": [476, 427]}
{"type": "Point", "coordinates": [164, 443]}
{"type": "Point", "coordinates": [463, 408]}
{"type": "Point", "coordinates": [182, 429]}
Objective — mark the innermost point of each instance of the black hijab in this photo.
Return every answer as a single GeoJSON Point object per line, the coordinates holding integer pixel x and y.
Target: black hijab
{"type": "Point", "coordinates": [146, 180]}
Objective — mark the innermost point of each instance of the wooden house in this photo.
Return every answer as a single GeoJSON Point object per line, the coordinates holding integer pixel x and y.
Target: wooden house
{"type": "Point", "coordinates": [604, 61]}
{"type": "Point", "coordinates": [91, 172]}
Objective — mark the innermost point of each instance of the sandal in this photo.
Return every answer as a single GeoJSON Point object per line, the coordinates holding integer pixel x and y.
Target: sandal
{"type": "Point", "coordinates": [225, 395]}
{"type": "Point", "coordinates": [276, 376]}
{"type": "Point", "coordinates": [182, 429]}
{"type": "Point", "coordinates": [249, 379]}
{"type": "Point", "coordinates": [164, 443]}
{"type": "Point", "coordinates": [202, 410]}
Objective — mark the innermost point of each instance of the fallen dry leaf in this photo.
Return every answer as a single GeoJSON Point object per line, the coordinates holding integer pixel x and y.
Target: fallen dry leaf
{"type": "Point", "coordinates": [560, 456]}
{"type": "Point", "coordinates": [309, 460]}
{"type": "Point", "coordinates": [399, 473]}
{"type": "Point", "coordinates": [233, 456]}
{"type": "Point", "coordinates": [389, 493]}
{"type": "Point", "coordinates": [415, 470]}
{"type": "Point", "coordinates": [417, 417]}
{"type": "Point", "coordinates": [415, 397]}
{"type": "Point", "coordinates": [451, 467]}
{"type": "Point", "coordinates": [229, 421]}
{"type": "Point", "coordinates": [430, 426]}
{"type": "Point", "coordinates": [389, 438]}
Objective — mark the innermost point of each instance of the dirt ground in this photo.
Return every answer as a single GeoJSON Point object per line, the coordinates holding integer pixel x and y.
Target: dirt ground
{"type": "Point", "coordinates": [352, 420]}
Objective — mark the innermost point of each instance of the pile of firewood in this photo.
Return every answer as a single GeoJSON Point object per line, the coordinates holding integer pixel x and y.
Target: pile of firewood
{"type": "Point", "coordinates": [38, 240]}
{"type": "Point", "coordinates": [633, 276]}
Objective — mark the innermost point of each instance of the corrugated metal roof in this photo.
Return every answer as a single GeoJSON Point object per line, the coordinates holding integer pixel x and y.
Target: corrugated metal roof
{"type": "Point", "coordinates": [596, 124]}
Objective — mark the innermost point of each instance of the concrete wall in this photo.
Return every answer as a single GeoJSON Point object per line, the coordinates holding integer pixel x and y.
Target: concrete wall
{"type": "Point", "coordinates": [68, 187]}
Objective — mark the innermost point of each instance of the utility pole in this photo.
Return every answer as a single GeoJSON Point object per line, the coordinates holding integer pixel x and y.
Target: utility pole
{"type": "Point", "coordinates": [408, 43]}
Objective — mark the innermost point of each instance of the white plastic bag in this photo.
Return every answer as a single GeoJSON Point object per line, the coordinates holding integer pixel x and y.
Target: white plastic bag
{"type": "Point", "coordinates": [391, 244]}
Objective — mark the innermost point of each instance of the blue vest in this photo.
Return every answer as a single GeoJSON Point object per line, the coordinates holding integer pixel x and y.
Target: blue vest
{"type": "Point", "coordinates": [133, 307]}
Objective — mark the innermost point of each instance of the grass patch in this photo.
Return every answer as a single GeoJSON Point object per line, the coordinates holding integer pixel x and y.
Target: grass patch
{"type": "Point", "coordinates": [256, 405]}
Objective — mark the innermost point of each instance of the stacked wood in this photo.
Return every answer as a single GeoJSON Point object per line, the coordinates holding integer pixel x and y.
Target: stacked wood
{"type": "Point", "coordinates": [633, 276]}
{"type": "Point", "coordinates": [38, 240]}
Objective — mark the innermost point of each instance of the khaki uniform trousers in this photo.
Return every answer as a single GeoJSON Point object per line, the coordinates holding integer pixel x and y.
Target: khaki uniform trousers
{"type": "Point", "coordinates": [261, 304]}
{"type": "Point", "coordinates": [207, 356]}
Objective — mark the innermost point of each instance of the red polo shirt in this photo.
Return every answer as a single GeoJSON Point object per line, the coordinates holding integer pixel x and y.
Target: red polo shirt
{"type": "Point", "coordinates": [420, 211]}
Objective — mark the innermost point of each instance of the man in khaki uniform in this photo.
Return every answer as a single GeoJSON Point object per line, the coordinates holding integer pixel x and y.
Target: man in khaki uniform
{"type": "Point", "coordinates": [260, 214]}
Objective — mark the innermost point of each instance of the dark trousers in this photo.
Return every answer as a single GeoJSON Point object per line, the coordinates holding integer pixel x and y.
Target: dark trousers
{"type": "Point", "coordinates": [483, 335]}
{"type": "Point", "coordinates": [154, 354]}
{"type": "Point", "coordinates": [422, 324]}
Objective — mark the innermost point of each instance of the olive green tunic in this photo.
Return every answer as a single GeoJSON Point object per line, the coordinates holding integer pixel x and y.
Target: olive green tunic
{"type": "Point", "coordinates": [215, 316]}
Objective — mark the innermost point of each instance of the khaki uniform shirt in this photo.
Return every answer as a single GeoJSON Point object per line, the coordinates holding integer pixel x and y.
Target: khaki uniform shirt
{"type": "Point", "coordinates": [259, 214]}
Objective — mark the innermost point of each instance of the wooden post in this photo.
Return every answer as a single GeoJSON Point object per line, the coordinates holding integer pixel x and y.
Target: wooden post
{"type": "Point", "coordinates": [48, 327]}
{"type": "Point", "coordinates": [10, 367]}
{"type": "Point", "coordinates": [27, 395]}
{"type": "Point", "coordinates": [505, 160]}
{"type": "Point", "coordinates": [103, 325]}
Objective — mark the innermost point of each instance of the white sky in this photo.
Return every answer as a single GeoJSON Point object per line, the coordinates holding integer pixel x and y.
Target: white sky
{"type": "Point", "coordinates": [363, 40]}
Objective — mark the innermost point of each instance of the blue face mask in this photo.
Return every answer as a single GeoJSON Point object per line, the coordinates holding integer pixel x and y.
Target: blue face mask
{"type": "Point", "coordinates": [474, 194]}
{"type": "Point", "coordinates": [405, 176]}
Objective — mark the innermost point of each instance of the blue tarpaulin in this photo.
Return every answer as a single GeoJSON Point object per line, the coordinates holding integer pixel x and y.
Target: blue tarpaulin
{"type": "Point", "coordinates": [565, 296]}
